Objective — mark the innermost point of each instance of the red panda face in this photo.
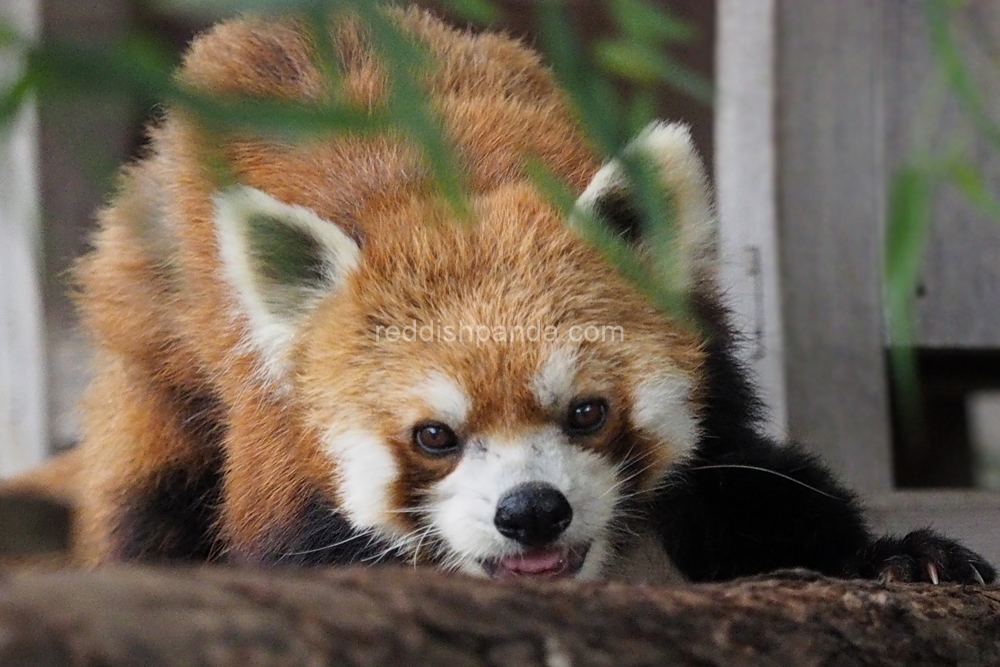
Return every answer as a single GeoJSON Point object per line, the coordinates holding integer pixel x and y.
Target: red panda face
{"type": "Point", "coordinates": [490, 396]}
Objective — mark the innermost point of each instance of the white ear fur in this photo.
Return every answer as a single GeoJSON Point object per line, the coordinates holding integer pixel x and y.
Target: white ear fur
{"type": "Point", "coordinates": [670, 147]}
{"type": "Point", "coordinates": [280, 260]}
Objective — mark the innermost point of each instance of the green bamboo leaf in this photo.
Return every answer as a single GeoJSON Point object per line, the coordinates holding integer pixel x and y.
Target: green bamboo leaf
{"type": "Point", "coordinates": [949, 59]}
{"type": "Point", "coordinates": [641, 112]}
{"type": "Point", "coordinates": [326, 60]}
{"type": "Point", "coordinates": [646, 64]}
{"type": "Point", "coordinates": [13, 98]}
{"type": "Point", "coordinates": [628, 59]}
{"type": "Point", "coordinates": [612, 104]}
{"type": "Point", "coordinates": [275, 118]}
{"type": "Point", "coordinates": [614, 249]}
{"type": "Point", "coordinates": [216, 9]}
{"type": "Point", "coordinates": [687, 81]}
{"type": "Point", "coordinates": [570, 66]}
{"type": "Point", "coordinates": [909, 218]}
{"type": "Point", "coordinates": [906, 238]}
{"type": "Point", "coordinates": [140, 67]}
{"type": "Point", "coordinates": [643, 21]}
{"type": "Point", "coordinates": [904, 375]}
{"type": "Point", "coordinates": [131, 66]}
{"type": "Point", "coordinates": [408, 106]}
{"type": "Point", "coordinates": [969, 181]}
{"type": "Point", "coordinates": [477, 11]}
{"type": "Point", "coordinates": [9, 36]}
{"type": "Point", "coordinates": [657, 210]}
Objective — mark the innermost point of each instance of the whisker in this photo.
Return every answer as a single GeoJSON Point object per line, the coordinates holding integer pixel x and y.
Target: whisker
{"type": "Point", "coordinates": [370, 536]}
{"type": "Point", "coordinates": [398, 544]}
{"type": "Point", "coordinates": [423, 536]}
{"type": "Point", "coordinates": [419, 511]}
{"type": "Point", "coordinates": [770, 472]}
{"type": "Point", "coordinates": [622, 528]}
{"type": "Point", "coordinates": [451, 562]}
{"type": "Point", "coordinates": [621, 482]}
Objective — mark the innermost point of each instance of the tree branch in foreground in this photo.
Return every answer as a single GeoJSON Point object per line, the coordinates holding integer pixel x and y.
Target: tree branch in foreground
{"type": "Point", "coordinates": [399, 618]}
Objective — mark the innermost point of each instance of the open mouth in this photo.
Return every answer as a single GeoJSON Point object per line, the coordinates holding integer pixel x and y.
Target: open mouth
{"type": "Point", "coordinates": [550, 562]}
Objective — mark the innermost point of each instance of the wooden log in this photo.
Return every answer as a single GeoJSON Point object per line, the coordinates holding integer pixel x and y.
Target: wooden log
{"type": "Point", "coordinates": [32, 525]}
{"type": "Point", "coordinates": [398, 618]}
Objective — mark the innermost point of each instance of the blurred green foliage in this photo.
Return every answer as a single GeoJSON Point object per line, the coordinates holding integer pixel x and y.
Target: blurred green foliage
{"type": "Point", "coordinates": [637, 52]}
{"type": "Point", "coordinates": [931, 168]}
{"type": "Point", "coordinates": [610, 113]}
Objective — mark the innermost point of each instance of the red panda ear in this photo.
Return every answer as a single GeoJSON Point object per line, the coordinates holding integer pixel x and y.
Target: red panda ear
{"type": "Point", "coordinates": [609, 196]}
{"type": "Point", "coordinates": [280, 260]}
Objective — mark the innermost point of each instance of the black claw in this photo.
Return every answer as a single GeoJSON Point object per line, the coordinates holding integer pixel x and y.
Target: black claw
{"type": "Point", "coordinates": [923, 556]}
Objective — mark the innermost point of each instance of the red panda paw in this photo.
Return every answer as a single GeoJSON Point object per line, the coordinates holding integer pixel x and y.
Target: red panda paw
{"type": "Point", "coordinates": [924, 556]}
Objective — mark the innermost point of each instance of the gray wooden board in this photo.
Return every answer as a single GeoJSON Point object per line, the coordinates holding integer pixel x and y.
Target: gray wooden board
{"type": "Point", "coordinates": [831, 194]}
{"type": "Point", "coordinates": [745, 184]}
{"type": "Point", "coordinates": [22, 363]}
{"type": "Point", "coordinates": [960, 295]}
{"type": "Point", "coordinates": [82, 143]}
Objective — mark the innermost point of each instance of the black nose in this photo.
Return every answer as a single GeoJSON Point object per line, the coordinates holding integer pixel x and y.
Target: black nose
{"type": "Point", "coordinates": [533, 514]}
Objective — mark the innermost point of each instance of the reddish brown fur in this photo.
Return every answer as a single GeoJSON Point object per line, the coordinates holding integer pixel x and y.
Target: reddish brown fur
{"type": "Point", "coordinates": [447, 277]}
{"type": "Point", "coordinates": [153, 298]}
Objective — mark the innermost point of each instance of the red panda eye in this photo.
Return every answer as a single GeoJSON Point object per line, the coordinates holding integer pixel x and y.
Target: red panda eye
{"type": "Point", "coordinates": [435, 438]}
{"type": "Point", "coordinates": [587, 416]}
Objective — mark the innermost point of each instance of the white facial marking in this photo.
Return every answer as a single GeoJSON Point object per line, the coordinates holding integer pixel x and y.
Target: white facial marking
{"type": "Point", "coordinates": [272, 307]}
{"type": "Point", "coordinates": [366, 471]}
{"type": "Point", "coordinates": [662, 406]}
{"type": "Point", "coordinates": [445, 398]}
{"type": "Point", "coordinates": [463, 504]}
{"type": "Point", "coordinates": [553, 383]}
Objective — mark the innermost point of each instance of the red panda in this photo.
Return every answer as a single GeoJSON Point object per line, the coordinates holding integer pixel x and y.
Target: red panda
{"type": "Point", "coordinates": [312, 361]}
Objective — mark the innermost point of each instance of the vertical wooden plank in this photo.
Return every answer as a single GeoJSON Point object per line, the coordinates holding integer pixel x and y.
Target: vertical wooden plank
{"type": "Point", "coordinates": [960, 281]}
{"type": "Point", "coordinates": [23, 432]}
{"type": "Point", "coordinates": [831, 203]}
{"type": "Point", "coordinates": [745, 182]}
{"type": "Point", "coordinates": [82, 140]}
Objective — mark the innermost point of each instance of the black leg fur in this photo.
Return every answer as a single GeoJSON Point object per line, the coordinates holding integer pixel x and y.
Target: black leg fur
{"type": "Point", "coordinates": [173, 519]}
{"type": "Point", "coordinates": [323, 536]}
{"type": "Point", "coordinates": [173, 516]}
{"type": "Point", "coordinates": [747, 505]}
{"type": "Point", "coordinates": [777, 509]}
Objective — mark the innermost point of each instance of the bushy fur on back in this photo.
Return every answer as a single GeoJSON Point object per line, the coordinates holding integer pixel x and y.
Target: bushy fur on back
{"type": "Point", "coordinates": [258, 398]}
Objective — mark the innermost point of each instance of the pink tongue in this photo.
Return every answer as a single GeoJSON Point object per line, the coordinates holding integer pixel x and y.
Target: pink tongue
{"type": "Point", "coordinates": [541, 561]}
